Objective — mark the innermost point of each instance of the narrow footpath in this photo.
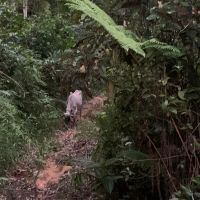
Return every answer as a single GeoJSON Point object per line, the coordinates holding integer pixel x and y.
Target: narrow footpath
{"type": "Point", "coordinates": [54, 179]}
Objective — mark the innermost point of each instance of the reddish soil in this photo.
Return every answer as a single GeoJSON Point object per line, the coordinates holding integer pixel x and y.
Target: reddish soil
{"type": "Point", "coordinates": [51, 174]}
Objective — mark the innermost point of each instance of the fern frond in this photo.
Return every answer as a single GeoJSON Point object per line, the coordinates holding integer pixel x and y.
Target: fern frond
{"type": "Point", "coordinates": [125, 39]}
{"type": "Point", "coordinates": [164, 48]}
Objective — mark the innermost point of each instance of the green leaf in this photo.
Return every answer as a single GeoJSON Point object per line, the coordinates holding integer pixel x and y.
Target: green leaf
{"type": "Point", "coordinates": [133, 155]}
{"type": "Point", "coordinates": [152, 17]}
{"type": "Point", "coordinates": [196, 180]}
{"type": "Point", "coordinates": [6, 93]}
{"type": "Point", "coordinates": [108, 182]}
{"type": "Point", "coordinates": [92, 165]}
{"type": "Point", "coordinates": [172, 110]}
{"type": "Point", "coordinates": [197, 145]}
{"type": "Point", "coordinates": [181, 95]}
{"type": "Point", "coordinates": [111, 161]}
{"type": "Point", "coordinates": [165, 80]}
{"type": "Point", "coordinates": [165, 104]}
{"type": "Point", "coordinates": [187, 191]}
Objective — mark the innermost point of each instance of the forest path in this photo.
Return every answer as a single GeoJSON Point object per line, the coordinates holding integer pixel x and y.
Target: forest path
{"type": "Point", "coordinates": [55, 175]}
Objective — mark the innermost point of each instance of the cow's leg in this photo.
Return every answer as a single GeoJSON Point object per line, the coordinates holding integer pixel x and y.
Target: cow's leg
{"type": "Point", "coordinates": [73, 121]}
{"type": "Point", "coordinates": [75, 111]}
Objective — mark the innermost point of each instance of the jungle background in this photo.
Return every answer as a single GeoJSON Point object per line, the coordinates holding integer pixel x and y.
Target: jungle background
{"type": "Point", "coordinates": [143, 55]}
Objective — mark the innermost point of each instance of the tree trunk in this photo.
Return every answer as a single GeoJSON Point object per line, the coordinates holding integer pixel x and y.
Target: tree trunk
{"type": "Point", "coordinates": [25, 8]}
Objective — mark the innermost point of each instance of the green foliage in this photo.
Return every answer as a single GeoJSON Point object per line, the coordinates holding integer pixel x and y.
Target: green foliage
{"type": "Point", "coordinates": [87, 129]}
{"type": "Point", "coordinates": [44, 34]}
{"type": "Point", "coordinates": [106, 21]}
{"type": "Point", "coordinates": [126, 39]}
{"type": "Point", "coordinates": [189, 193]}
{"type": "Point", "coordinates": [154, 115]}
{"type": "Point", "coordinates": [12, 133]}
{"type": "Point", "coordinates": [166, 50]}
{"type": "Point", "coordinates": [47, 34]}
{"type": "Point", "coordinates": [104, 174]}
{"type": "Point", "coordinates": [28, 112]}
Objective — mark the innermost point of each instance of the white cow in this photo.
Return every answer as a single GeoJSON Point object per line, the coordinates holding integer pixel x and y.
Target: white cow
{"type": "Point", "coordinates": [74, 103]}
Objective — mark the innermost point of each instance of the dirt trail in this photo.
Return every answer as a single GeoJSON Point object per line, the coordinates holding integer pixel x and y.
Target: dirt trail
{"type": "Point", "coordinates": [24, 187]}
{"type": "Point", "coordinates": [52, 171]}
{"type": "Point", "coordinates": [51, 174]}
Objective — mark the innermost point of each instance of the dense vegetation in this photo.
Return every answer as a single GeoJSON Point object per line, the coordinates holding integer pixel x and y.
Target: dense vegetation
{"type": "Point", "coordinates": [149, 135]}
{"type": "Point", "coordinates": [37, 71]}
{"type": "Point", "coordinates": [148, 52]}
{"type": "Point", "coordinates": [28, 111]}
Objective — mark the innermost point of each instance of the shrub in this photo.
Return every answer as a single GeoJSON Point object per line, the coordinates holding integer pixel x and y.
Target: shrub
{"type": "Point", "coordinates": [28, 112]}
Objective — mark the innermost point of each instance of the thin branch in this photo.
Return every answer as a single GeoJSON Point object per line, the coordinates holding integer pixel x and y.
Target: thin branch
{"type": "Point", "coordinates": [195, 128]}
{"type": "Point", "coordinates": [181, 138]}
{"type": "Point", "coordinates": [162, 162]}
{"type": "Point", "coordinates": [2, 73]}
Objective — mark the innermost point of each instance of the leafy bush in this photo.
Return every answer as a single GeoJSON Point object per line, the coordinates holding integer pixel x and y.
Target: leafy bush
{"type": "Point", "coordinates": [28, 112]}
{"type": "Point", "coordinates": [189, 193]}
{"type": "Point", "coordinates": [13, 134]}
{"type": "Point", "coordinates": [155, 108]}
{"type": "Point", "coordinates": [47, 34]}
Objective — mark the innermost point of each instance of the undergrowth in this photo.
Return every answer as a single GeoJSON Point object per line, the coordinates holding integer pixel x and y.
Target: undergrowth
{"type": "Point", "coordinates": [29, 114]}
{"type": "Point", "coordinates": [148, 144]}
{"type": "Point", "coordinates": [87, 129]}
